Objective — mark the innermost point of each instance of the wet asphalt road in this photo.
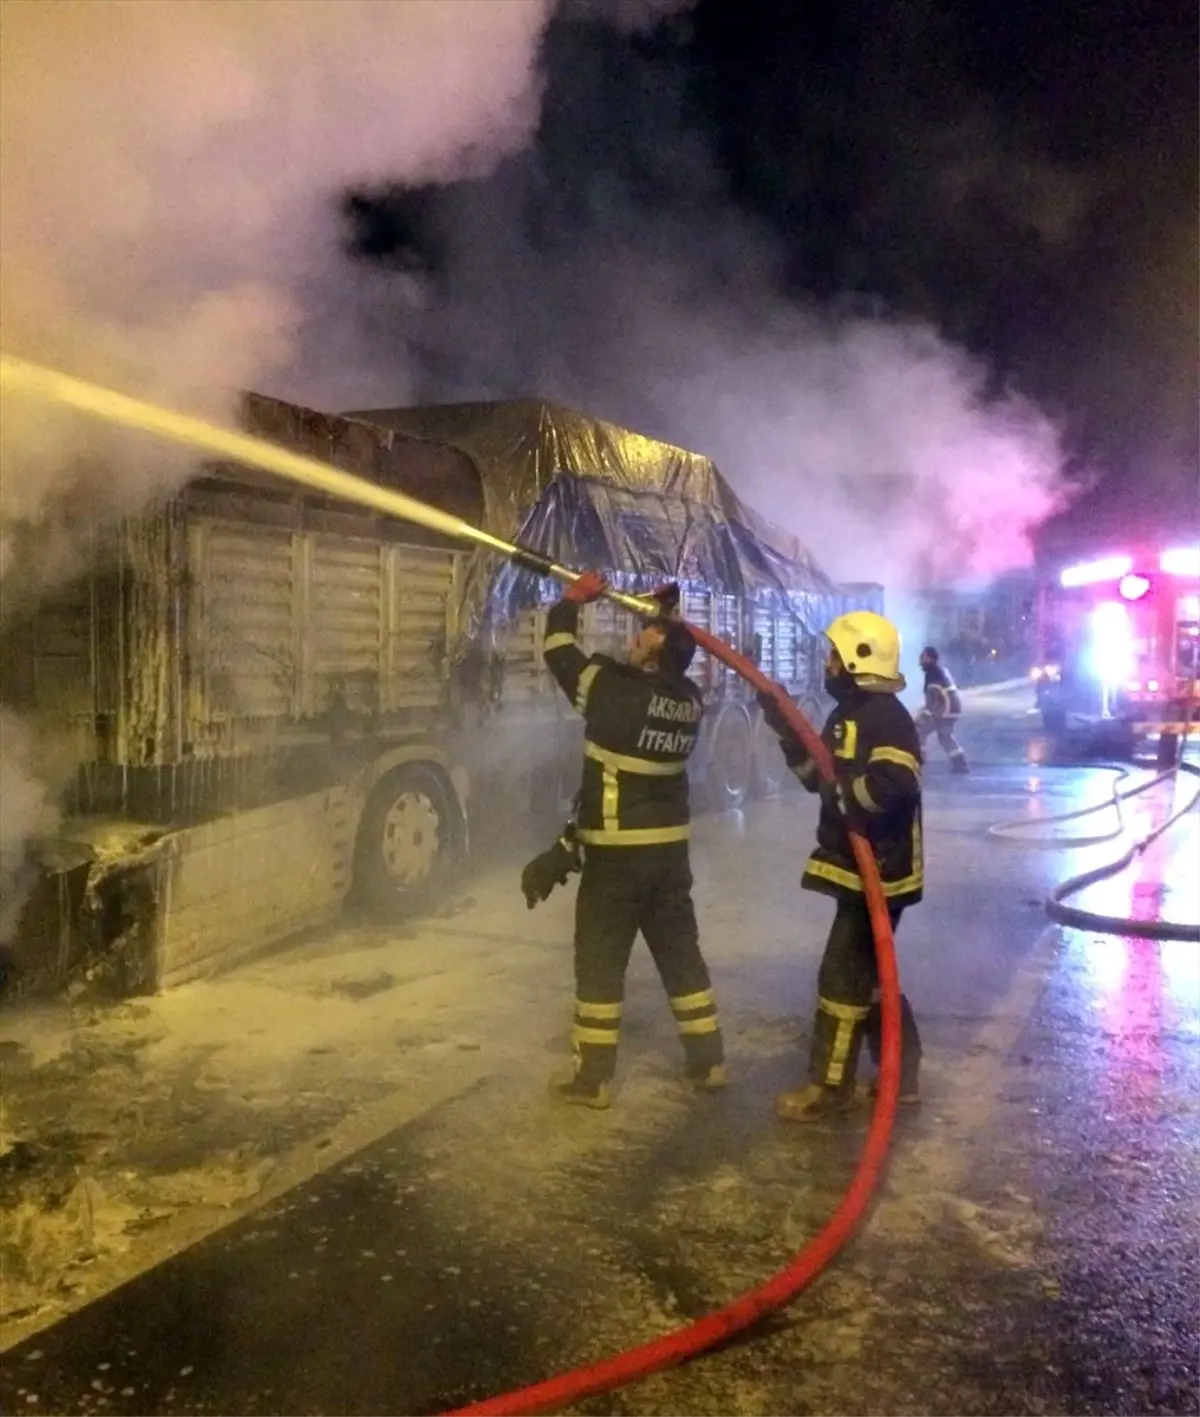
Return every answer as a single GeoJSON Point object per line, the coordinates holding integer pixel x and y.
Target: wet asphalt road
{"type": "Point", "coordinates": [1035, 1248]}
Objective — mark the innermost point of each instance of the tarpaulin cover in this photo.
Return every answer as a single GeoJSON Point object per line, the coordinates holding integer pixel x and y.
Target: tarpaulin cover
{"type": "Point", "coordinates": [587, 492]}
{"type": "Point", "coordinates": [643, 538]}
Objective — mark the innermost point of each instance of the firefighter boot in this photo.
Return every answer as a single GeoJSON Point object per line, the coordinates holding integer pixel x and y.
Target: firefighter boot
{"type": "Point", "coordinates": [700, 1034]}
{"type": "Point", "coordinates": [588, 1082]}
{"type": "Point", "coordinates": [594, 1045]}
{"type": "Point", "coordinates": [910, 1050]}
{"type": "Point", "coordinates": [833, 1062]}
{"type": "Point", "coordinates": [704, 1072]}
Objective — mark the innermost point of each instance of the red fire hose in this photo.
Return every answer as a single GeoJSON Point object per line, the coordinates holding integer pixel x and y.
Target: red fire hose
{"type": "Point", "coordinates": [673, 1348]}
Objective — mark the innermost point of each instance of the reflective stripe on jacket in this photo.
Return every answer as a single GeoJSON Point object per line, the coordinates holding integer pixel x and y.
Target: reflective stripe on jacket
{"type": "Point", "coordinates": [877, 757]}
{"type": "Point", "coordinates": [941, 693]}
{"type": "Point", "coordinates": [639, 730]}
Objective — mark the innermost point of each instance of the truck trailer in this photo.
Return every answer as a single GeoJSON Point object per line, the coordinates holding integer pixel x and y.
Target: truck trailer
{"type": "Point", "coordinates": [259, 703]}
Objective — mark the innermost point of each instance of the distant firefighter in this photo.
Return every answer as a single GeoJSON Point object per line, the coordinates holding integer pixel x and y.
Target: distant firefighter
{"type": "Point", "coordinates": [943, 708]}
{"type": "Point", "coordinates": [641, 723]}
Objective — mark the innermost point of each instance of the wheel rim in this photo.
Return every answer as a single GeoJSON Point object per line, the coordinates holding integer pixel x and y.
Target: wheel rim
{"type": "Point", "coordinates": [412, 838]}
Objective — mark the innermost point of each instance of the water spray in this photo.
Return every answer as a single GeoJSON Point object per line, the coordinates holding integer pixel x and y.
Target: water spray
{"type": "Point", "coordinates": [19, 376]}
{"type": "Point", "coordinates": [22, 378]}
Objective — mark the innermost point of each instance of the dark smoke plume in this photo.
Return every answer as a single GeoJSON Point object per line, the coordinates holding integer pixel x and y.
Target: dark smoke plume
{"type": "Point", "coordinates": [610, 267]}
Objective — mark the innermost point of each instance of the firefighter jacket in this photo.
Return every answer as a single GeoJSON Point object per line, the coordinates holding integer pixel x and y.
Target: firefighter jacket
{"type": "Point", "coordinates": [877, 758]}
{"type": "Point", "coordinates": [639, 730]}
{"type": "Point", "coordinates": [941, 693]}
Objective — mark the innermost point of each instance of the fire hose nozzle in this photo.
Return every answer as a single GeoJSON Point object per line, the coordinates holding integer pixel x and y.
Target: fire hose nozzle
{"type": "Point", "coordinates": [530, 560]}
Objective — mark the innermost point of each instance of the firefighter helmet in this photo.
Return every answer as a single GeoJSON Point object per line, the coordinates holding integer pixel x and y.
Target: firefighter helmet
{"type": "Point", "coordinates": [869, 647]}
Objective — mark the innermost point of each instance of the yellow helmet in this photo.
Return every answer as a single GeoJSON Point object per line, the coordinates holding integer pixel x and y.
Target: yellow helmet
{"type": "Point", "coordinates": [870, 649]}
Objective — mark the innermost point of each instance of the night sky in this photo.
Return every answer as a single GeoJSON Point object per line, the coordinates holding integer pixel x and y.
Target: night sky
{"type": "Point", "coordinates": [1022, 175]}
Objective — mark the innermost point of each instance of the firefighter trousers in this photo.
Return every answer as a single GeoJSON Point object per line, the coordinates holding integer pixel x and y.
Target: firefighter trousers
{"type": "Point", "coordinates": [944, 728]}
{"type": "Point", "coordinates": [623, 890]}
{"type": "Point", "coordinates": [848, 1011]}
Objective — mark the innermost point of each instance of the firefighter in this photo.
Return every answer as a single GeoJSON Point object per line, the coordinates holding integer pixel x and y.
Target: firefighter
{"type": "Point", "coordinates": [877, 758]}
{"type": "Point", "coordinates": [943, 708]}
{"type": "Point", "coordinates": [641, 721]}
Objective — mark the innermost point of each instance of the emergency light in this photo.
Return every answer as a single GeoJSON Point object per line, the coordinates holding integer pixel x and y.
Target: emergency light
{"type": "Point", "coordinates": [1180, 561]}
{"type": "Point", "coordinates": [1111, 568]}
{"type": "Point", "coordinates": [1133, 587]}
{"type": "Point", "coordinates": [1111, 649]}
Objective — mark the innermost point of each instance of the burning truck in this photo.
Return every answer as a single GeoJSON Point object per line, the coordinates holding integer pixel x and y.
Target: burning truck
{"type": "Point", "coordinates": [1118, 657]}
{"type": "Point", "coordinates": [261, 702]}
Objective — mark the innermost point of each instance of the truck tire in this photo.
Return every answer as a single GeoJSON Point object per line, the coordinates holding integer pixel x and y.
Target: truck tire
{"type": "Point", "coordinates": [731, 760]}
{"type": "Point", "coordinates": [408, 843]}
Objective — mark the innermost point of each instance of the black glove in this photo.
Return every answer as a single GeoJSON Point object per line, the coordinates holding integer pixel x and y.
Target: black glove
{"type": "Point", "coordinates": [668, 597]}
{"type": "Point", "coordinates": [548, 870]}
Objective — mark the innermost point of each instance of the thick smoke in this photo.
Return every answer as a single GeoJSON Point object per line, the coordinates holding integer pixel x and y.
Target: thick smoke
{"type": "Point", "coordinates": [169, 226]}
{"type": "Point", "coordinates": [876, 441]}
{"type": "Point", "coordinates": [610, 269]}
{"type": "Point", "coordinates": [169, 223]}
{"type": "Point", "coordinates": [955, 161]}
{"type": "Point", "coordinates": [168, 209]}
{"type": "Point", "coordinates": [27, 808]}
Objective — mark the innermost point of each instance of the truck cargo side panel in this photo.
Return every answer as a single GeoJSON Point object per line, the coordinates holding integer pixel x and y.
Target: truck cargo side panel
{"type": "Point", "coordinates": [241, 882]}
{"type": "Point", "coordinates": [287, 627]}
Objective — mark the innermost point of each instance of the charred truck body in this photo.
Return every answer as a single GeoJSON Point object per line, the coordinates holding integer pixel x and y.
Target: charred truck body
{"type": "Point", "coordinates": [260, 701]}
{"type": "Point", "coordinates": [1118, 657]}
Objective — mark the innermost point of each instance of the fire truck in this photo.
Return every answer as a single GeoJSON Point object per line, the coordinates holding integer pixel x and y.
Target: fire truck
{"type": "Point", "coordinates": [1118, 648]}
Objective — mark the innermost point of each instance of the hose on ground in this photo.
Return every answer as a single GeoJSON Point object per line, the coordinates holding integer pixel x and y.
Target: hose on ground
{"type": "Point", "coordinates": [674, 1348]}
{"type": "Point", "coordinates": [1072, 915]}
{"type": "Point", "coordinates": [1115, 924]}
{"type": "Point", "coordinates": [1014, 830]}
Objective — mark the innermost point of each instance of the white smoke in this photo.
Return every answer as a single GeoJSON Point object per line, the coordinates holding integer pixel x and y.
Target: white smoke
{"type": "Point", "coordinates": [169, 226]}
{"type": "Point", "coordinates": [881, 445]}
{"type": "Point", "coordinates": [27, 809]}
{"type": "Point", "coordinates": [875, 439]}
{"type": "Point", "coordinates": [171, 176]}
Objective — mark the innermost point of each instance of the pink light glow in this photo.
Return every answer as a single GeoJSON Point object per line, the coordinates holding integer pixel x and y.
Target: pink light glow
{"type": "Point", "coordinates": [1111, 568]}
{"type": "Point", "coordinates": [1181, 561]}
{"type": "Point", "coordinates": [1133, 587]}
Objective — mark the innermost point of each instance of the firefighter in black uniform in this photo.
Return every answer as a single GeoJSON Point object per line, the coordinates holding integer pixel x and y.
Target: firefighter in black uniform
{"type": "Point", "coordinates": [878, 791]}
{"type": "Point", "coordinates": [641, 721]}
{"type": "Point", "coordinates": [943, 708]}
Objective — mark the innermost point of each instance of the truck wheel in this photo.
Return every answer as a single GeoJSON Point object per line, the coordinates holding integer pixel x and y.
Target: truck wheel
{"type": "Point", "coordinates": [408, 841]}
{"type": "Point", "coordinates": [730, 761]}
